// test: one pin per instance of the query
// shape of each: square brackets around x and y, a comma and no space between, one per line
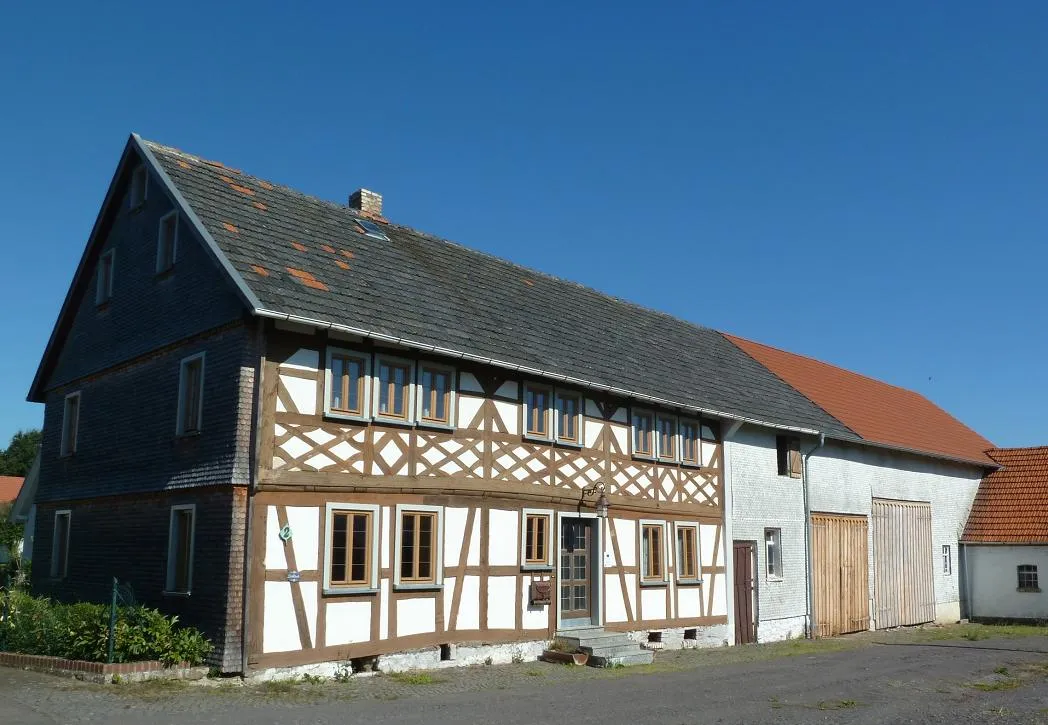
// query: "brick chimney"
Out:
[367,202]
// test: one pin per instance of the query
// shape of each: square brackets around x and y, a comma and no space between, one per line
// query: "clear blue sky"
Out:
[861,182]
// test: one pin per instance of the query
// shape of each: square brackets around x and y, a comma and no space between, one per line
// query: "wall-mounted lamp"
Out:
[602,500]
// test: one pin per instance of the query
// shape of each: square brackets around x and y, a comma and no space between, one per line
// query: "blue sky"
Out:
[862,183]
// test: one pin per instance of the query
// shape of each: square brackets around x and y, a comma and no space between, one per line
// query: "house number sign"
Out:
[285,533]
[294,576]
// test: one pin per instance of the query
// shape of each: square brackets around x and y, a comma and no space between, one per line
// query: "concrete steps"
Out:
[605,649]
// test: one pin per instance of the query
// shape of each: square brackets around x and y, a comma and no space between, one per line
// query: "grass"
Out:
[837,704]
[275,688]
[415,678]
[970,632]
[996,685]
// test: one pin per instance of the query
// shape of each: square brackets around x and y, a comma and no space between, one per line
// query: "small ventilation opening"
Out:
[363,664]
[654,636]
[691,634]
[445,652]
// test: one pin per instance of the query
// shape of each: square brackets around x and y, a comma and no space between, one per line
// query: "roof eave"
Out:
[986,463]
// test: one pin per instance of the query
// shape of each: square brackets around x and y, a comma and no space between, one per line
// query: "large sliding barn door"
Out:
[904,590]
[840,574]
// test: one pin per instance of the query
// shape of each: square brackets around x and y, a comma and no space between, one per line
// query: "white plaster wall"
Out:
[536,616]
[653,602]
[502,602]
[615,605]
[993,581]
[348,622]
[454,531]
[305,535]
[503,539]
[279,626]
[416,616]
[469,605]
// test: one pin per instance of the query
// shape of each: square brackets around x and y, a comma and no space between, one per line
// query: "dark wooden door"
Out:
[745,591]
[575,584]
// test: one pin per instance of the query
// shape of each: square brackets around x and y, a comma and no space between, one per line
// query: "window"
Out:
[788,451]
[351,548]
[139,188]
[104,283]
[419,538]
[773,552]
[371,229]
[687,552]
[347,389]
[667,438]
[60,545]
[652,552]
[535,543]
[689,442]
[180,533]
[709,430]
[947,560]
[190,395]
[70,423]
[436,394]
[569,417]
[536,411]
[1027,578]
[643,434]
[393,389]
[166,242]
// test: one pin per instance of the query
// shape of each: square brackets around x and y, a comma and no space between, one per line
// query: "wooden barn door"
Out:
[903,560]
[744,555]
[839,561]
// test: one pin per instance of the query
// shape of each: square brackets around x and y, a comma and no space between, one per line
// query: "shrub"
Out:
[38,626]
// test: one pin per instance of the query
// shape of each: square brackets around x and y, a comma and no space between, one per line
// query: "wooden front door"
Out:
[576,590]
[744,555]
[839,572]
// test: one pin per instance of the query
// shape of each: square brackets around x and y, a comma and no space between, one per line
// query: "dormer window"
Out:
[569,417]
[393,386]
[166,242]
[139,188]
[643,434]
[667,438]
[104,280]
[537,411]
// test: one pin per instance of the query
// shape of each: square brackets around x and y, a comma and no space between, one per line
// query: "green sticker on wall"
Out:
[285,533]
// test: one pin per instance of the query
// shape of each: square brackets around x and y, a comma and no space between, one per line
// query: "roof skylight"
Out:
[372,229]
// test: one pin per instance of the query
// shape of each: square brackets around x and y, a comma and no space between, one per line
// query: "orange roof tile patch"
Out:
[879,412]
[260,271]
[328,248]
[9,488]
[341,264]
[230,228]
[1011,503]
[226,179]
[259,205]
[347,254]
[242,189]
[529,282]
[299,247]
[307,279]
[184,164]
[266,185]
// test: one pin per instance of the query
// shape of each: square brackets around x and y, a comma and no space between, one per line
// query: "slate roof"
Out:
[879,412]
[9,488]
[304,257]
[1011,506]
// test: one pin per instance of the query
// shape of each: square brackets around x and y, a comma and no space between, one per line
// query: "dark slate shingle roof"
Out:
[302,256]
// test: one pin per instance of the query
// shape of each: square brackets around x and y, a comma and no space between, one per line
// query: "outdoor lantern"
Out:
[602,504]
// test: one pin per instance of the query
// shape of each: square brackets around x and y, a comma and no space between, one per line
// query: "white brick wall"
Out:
[994,581]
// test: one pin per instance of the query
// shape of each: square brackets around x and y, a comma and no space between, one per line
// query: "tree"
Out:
[17,458]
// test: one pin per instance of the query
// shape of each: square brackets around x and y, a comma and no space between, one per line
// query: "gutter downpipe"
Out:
[249,509]
[809,564]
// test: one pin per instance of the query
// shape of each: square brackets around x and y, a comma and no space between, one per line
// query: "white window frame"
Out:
[376,395]
[675,457]
[67,447]
[376,519]
[138,177]
[777,577]
[697,579]
[105,293]
[641,554]
[172,555]
[55,574]
[634,412]
[551,413]
[173,242]
[452,386]
[947,560]
[550,523]
[580,417]
[681,422]
[365,404]
[438,559]
[180,428]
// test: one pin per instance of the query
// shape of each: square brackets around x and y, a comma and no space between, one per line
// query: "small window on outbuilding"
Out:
[773,552]
[1027,578]
[947,560]
[788,452]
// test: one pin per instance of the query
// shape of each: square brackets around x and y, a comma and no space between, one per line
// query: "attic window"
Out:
[371,229]
[104,281]
[166,242]
[139,188]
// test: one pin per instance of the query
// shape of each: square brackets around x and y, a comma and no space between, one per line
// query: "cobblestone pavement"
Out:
[865,679]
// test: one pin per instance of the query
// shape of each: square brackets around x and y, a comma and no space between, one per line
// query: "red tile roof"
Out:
[1012,503]
[878,412]
[9,488]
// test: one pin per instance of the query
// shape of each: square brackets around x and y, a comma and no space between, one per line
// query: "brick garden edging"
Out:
[100,671]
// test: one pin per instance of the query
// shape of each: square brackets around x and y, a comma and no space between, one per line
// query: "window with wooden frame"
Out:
[643,434]
[652,552]
[190,395]
[351,547]
[347,384]
[788,456]
[947,560]
[667,437]
[60,544]
[436,394]
[1027,578]
[393,386]
[569,417]
[419,537]
[166,242]
[139,188]
[180,544]
[535,542]
[688,553]
[689,443]
[70,423]
[537,418]
[773,553]
[104,278]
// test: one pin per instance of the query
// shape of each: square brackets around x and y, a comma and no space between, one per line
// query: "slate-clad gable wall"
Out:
[146,311]
[126,440]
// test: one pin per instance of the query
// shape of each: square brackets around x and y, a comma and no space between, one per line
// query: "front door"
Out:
[576,592]
[743,555]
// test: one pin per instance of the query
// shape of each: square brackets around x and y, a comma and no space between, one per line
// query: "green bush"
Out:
[38,626]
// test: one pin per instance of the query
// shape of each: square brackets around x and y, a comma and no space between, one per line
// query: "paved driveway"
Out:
[867,679]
